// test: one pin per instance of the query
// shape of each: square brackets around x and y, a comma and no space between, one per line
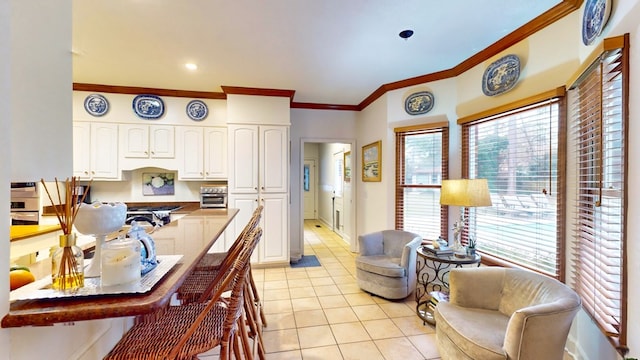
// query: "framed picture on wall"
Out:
[371,161]
[347,166]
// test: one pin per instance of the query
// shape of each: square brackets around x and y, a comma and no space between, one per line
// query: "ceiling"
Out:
[327,51]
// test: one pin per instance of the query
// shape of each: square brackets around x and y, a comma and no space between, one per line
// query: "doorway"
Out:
[327,188]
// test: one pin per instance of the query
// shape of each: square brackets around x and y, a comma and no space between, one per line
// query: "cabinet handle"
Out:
[153,153]
[146,153]
[200,172]
[86,172]
[262,188]
[93,173]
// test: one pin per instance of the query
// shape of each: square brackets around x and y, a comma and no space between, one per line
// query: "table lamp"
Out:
[464,193]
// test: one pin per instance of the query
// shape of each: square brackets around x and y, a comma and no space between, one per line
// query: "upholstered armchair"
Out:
[498,313]
[386,265]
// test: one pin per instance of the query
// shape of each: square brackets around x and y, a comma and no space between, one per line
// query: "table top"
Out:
[62,310]
[19,232]
[449,259]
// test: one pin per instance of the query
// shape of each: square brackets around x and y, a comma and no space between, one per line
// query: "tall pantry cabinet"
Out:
[259,175]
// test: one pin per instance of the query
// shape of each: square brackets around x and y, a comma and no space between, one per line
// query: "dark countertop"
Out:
[186,206]
[49,311]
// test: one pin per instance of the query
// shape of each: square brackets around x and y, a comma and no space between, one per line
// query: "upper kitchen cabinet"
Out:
[95,151]
[259,158]
[201,152]
[147,145]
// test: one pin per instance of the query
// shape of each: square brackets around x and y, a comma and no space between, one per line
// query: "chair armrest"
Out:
[543,324]
[409,253]
[476,287]
[370,244]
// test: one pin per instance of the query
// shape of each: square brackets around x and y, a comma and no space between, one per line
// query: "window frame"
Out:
[557,95]
[401,134]
[600,304]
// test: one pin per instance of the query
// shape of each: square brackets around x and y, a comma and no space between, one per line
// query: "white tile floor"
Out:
[320,313]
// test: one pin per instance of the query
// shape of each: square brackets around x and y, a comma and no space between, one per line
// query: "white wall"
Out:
[40,65]
[35,69]
[5,161]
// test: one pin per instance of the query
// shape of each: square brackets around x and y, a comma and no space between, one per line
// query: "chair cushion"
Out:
[381,265]
[477,333]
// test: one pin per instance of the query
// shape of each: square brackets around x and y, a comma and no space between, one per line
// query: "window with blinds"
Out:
[518,152]
[598,118]
[422,158]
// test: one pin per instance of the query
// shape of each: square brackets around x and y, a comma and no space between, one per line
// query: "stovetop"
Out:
[152,209]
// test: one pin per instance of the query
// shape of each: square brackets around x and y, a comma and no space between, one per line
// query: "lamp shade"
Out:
[465,192]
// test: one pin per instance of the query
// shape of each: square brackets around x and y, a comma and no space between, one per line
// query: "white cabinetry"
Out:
[199,231]
[147,145]
[95,150]
[259,174]
[202,152]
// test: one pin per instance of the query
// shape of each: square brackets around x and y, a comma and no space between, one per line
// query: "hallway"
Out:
[320,313]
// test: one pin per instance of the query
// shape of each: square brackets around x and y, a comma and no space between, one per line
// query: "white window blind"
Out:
[517,152]
[598,126]
[421,164]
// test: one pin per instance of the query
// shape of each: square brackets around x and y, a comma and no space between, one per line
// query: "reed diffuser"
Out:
[67,262]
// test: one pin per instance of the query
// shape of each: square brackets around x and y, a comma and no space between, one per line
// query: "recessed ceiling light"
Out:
[191,66]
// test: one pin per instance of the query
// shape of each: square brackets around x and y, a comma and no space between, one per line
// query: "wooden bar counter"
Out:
[190,236]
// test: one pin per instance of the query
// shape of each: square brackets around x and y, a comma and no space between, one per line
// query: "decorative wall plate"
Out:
[419,103]
[148,106]
[96,104]
[595,17]
[501,76]
[197,110]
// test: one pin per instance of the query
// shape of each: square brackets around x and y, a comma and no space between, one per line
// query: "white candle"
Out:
[120,263]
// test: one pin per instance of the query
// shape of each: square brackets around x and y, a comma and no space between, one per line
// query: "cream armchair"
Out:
[498,313]
[386,265]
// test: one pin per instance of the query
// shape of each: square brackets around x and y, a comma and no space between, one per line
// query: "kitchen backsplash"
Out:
[146,185]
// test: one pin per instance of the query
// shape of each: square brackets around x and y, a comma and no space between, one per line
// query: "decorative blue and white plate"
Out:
[197,110]
[595,17]
[419,103]
[501,76]
[148,106]
[96,104]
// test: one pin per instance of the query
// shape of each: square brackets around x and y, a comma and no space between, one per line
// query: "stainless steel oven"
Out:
[25,203]
[213,196]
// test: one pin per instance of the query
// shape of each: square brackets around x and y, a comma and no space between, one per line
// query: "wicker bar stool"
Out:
[187,330]
[206,269]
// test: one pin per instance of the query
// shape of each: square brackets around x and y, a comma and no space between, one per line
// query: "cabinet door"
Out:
[82,150]
[274,159]
[135,141]
[243,158]
[215,153]
[193,235]
[246,204]
[190,152]
[274,245]
[210,227]
[161,142]
[104,151]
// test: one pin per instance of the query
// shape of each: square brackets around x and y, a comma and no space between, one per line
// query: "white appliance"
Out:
[25,203]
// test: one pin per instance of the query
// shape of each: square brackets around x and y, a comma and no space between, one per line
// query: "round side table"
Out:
[434,278]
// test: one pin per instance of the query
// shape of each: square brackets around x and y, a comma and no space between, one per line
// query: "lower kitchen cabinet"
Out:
[273,248]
